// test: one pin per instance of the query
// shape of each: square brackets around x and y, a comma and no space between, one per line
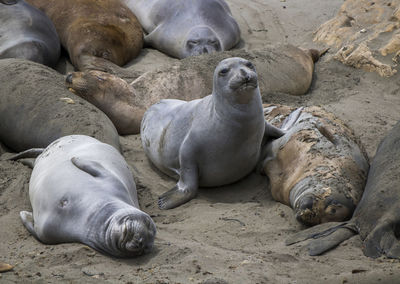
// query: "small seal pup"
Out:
[27,33]
[376,218]
[318,167]
[97,34]
[81,190]
[211,141]
[182,28]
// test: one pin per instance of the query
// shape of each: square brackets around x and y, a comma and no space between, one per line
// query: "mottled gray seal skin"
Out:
[27,33]
[211,141]
[377,216]
[182,28]
[81,190]
[36,108]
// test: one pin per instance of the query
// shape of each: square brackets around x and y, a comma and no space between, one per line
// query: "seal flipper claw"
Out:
[175,197]
[27,220]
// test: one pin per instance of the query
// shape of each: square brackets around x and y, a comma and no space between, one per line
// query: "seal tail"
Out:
[317,54]
[325,236]
[27,220]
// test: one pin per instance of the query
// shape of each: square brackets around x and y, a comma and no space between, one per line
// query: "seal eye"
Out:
[223,71]
[192,43]
[250,65]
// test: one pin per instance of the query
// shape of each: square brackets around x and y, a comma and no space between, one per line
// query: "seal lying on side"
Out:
[376,217]
[318,167]
[282,69]
[211,141]
[82,190]
[182,28]
[36,109]
[96,34]
[27,33]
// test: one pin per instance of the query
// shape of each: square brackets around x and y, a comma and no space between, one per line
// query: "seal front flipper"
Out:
[90,62]
[383,240]
[93,168]
[27,220]
[27,157]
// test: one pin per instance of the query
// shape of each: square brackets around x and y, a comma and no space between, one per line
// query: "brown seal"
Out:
[281,69]
[318,167]
[95,33]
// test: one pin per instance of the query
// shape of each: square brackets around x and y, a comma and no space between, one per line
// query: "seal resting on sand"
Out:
[96,34]
[36,108]
[318,167]
[182,28]
[282,69]
[211,141]
[376,218]
[81,190]
[27,33]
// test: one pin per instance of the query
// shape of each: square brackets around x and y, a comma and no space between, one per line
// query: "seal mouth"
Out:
[245,84]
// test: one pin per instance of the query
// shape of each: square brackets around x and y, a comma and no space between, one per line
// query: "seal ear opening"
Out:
[93,168]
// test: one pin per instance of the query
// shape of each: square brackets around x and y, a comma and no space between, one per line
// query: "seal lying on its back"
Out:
[211,141]
[82,190]
[36,109]
[377,216]
[96,34]
[183,28]
[318,167]
[27,33]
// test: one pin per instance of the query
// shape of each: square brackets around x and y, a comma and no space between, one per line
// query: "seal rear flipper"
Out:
[314,232]
[319,246]
[27,220]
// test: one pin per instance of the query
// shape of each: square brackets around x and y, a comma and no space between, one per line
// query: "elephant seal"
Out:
[97,34]
[376,218]
[318,167]
[282,69]
[211,141]
[27,33]
[36,108]
[182,28]
[81,190]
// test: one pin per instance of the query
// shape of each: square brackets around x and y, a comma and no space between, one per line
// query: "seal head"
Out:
[130,234]
[201,40]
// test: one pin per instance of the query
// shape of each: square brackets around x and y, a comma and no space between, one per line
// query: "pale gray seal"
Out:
[182,28]
[27,33]
[377,216]
[82,190]
[211,141]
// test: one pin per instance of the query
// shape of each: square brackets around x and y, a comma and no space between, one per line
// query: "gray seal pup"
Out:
[82,190]
[376,218]
[211,141]
[36,108]
[27,33]
[318,167]
[99,35]
[182,28]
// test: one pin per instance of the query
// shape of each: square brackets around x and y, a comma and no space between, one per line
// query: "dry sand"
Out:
[233,234]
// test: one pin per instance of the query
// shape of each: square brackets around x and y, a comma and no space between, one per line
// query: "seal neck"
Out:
[230,108]
[99,234]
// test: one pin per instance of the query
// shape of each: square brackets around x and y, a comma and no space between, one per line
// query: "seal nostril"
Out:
[205,50]
[306,203]
[69,78]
